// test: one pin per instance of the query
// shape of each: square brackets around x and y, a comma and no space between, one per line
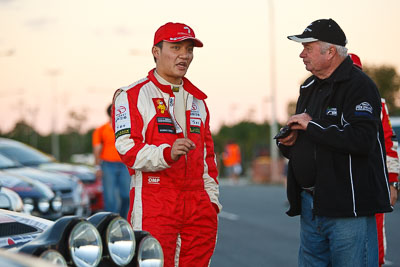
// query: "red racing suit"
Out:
[173,200]
[393,164]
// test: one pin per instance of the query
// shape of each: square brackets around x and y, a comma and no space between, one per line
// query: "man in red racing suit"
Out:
[162,134]
[393,165]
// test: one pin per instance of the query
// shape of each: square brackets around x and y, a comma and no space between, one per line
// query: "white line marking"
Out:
[228,215]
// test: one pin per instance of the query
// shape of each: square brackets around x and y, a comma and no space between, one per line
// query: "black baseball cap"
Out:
[326,30]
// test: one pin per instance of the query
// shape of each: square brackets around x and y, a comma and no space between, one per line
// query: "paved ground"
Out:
[255,231]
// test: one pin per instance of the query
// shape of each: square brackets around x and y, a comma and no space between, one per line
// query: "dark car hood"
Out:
[25,186]
[85,173]
[56,181]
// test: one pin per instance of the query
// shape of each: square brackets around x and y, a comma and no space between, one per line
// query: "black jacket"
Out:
[351,174]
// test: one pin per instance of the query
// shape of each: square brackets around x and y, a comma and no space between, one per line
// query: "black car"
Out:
[38,198]
[75,201]
[31,157]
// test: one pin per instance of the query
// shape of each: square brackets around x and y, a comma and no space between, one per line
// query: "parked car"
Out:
[75,201]
[29,156]
[395,122]
[9,200]
[92,186]
[20,228]
[104,239]
[38,198]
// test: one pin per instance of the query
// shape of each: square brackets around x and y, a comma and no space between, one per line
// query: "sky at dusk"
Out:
[61,56]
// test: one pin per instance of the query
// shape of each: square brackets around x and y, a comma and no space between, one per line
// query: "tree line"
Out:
[253,138]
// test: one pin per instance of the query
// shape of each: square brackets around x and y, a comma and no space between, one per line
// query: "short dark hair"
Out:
[159,45]
[109,110]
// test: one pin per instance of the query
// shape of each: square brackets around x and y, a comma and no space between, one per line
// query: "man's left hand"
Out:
[299,121]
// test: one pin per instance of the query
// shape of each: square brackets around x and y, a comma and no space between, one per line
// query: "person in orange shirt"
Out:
[232,160]
[114,174]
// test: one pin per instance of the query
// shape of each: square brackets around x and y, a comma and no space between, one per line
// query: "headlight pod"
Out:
[43,205]
[53,256]
[118,238]
[85,245]
[76,239]
[104,239]
[150,252]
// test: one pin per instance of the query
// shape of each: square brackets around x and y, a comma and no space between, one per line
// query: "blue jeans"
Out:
[328,241]
[116,184]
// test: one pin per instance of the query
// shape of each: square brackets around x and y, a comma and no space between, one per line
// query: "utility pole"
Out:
[273,126]
[33,111]
[55,143]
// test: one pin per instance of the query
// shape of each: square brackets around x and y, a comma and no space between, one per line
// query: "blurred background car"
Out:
[29,156]
[9,200]
[395,122]
[92,186]
[75,200]
[38,198]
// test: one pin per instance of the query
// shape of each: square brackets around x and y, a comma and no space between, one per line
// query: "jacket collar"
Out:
[187,85]
[342,72]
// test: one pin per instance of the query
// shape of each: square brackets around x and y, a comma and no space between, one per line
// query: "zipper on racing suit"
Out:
[178,128]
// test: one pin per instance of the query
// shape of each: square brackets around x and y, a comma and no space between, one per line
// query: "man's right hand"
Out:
[181,147]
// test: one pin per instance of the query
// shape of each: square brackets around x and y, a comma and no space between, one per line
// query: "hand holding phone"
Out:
[284,132]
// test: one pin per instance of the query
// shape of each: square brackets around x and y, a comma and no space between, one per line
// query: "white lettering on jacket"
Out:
[153,180]
[364,106]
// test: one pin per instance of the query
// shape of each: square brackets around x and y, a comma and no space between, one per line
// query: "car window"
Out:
[6,163]
[25,155]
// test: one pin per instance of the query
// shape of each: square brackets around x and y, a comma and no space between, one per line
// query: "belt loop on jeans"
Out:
[309,190]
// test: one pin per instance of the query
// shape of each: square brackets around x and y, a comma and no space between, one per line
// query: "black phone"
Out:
[284,132]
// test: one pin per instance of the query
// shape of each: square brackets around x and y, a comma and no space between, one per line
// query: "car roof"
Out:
[9,141]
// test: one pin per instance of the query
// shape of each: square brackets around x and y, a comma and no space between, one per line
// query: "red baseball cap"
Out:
[356,60]
[176,32]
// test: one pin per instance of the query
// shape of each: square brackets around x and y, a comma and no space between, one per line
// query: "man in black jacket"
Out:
[337,175]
